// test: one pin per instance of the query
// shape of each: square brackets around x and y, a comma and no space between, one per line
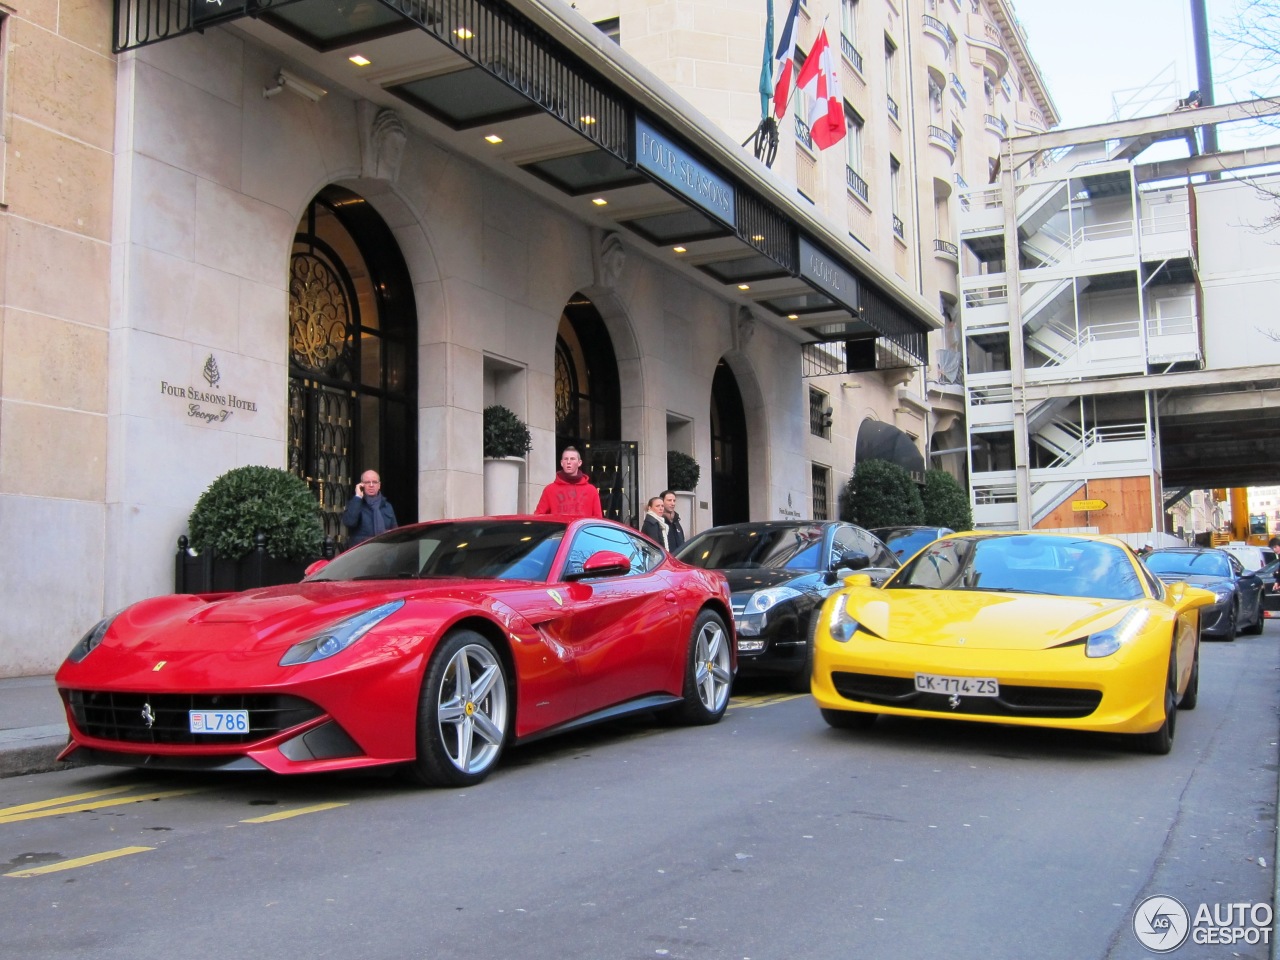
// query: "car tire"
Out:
[1233,623]
[802,680]
[1255,628]
[463,712]
[708,673]
[1160,741]
[848,719]
[1192,694]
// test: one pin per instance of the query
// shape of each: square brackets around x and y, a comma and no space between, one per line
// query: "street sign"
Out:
[1084,506]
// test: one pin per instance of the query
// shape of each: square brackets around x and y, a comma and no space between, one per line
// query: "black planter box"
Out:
[208,573]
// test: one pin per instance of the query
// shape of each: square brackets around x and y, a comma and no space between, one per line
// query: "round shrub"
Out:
[505,434]
[248,500]
[945,502]
[682,471]
[881,494]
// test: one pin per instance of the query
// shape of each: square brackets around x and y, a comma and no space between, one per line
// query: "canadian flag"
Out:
[820,81]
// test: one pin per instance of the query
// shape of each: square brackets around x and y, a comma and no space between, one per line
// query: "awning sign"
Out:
[659,155]
[821,271]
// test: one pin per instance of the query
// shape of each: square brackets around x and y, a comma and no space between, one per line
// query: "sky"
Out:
[1090,51]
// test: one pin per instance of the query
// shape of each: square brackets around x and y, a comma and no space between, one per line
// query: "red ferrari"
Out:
[433,646]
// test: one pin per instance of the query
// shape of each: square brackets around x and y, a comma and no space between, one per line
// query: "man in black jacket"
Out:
[675,532]
[368,513]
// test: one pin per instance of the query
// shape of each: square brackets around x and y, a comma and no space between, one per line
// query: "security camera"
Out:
[295,84]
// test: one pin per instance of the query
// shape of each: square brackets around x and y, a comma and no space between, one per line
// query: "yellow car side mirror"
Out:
[858,580]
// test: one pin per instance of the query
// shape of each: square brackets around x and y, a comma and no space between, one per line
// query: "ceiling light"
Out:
[744,286]
[757,238]
[599,201]
[493,138]
[462,33]
[793,316]
[680,249]
[360,61]
[587,119]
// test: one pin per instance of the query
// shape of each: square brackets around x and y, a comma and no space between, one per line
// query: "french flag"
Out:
[820,80]
[784,62]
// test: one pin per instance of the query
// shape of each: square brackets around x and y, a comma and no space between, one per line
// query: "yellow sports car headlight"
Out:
[841,624]
[1106,642]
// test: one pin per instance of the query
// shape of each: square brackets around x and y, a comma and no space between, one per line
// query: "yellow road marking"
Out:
[286,814]
[765,700]
[84,807]
[71,798]
[78,862]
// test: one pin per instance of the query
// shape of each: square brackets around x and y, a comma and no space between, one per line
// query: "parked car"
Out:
[1270,577]
[779,573]
[906,541]
[1251,557]
[1030,629]
[1238,607]
[433,646]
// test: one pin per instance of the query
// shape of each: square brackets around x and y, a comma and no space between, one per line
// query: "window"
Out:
[850,538]
[819,414]
[891,75]
[611,28]
[821,495]
[853,141]
[644,556]
[895,185]
[849,20]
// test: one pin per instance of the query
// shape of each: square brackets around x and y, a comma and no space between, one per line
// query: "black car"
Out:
[779,573]
[1270,575]
[1239,594]
[905,542]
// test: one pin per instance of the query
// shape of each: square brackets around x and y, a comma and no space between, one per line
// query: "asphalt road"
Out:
[767,836]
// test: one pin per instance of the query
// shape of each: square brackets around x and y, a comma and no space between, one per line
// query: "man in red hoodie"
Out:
[571,493]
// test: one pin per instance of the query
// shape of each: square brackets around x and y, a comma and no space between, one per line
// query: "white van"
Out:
[1251,558]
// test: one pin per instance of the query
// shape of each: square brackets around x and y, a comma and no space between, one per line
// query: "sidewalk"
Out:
[33,726]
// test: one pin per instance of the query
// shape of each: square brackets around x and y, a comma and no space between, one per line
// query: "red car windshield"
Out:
[475,550]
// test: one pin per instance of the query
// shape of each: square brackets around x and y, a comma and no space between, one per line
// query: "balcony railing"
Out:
[898,229]
[936,27]
[996,124]
[943,137]
[958,88]
[856,183]
[893,107]
[946,247]
[851,52]
[803,134]
[960,181]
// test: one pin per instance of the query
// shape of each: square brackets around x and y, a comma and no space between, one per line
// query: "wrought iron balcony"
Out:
[943,138]
[946,247]
[958,88]
[898,230]
[856,183]
[996,124]
[893,107]
[851,52]
[803,134]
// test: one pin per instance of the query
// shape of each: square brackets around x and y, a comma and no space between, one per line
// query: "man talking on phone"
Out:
[368,513]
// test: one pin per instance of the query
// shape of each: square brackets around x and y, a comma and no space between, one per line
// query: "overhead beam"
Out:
[1209,163]
[1170,123]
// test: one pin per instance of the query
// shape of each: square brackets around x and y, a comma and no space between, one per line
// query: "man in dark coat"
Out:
[368,513]
[675,532]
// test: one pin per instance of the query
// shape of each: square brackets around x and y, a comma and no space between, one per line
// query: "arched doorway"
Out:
[589,408]
[352,357]
[730,486]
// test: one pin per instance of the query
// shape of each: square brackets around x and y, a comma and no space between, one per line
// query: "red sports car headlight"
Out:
[338,637]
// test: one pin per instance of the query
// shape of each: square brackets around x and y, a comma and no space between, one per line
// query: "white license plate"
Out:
[219,721]
[962,686]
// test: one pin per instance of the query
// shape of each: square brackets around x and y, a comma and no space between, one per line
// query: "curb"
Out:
[37,755]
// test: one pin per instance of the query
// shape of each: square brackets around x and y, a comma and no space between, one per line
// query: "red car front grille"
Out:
[164,718]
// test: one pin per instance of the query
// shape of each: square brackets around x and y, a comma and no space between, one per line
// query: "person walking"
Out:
[675,531]
[368,512]
[655,525]
[571,493]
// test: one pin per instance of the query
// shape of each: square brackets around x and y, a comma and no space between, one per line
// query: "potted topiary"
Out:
[506,441]
[254,526]
[682,479]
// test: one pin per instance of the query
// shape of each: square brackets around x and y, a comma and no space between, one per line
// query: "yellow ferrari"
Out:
[1035,629]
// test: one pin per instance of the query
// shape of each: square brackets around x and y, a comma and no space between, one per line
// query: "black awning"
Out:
[884,441]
